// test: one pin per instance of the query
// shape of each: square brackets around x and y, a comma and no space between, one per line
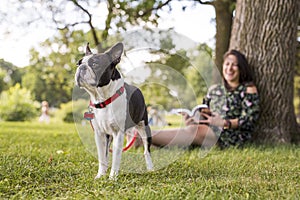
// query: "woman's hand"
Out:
[215,119]
[189,120]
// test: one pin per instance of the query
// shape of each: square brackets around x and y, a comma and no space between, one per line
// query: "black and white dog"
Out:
[117,106]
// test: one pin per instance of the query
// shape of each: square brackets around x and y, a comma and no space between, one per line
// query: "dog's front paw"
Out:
[98,176]
[113,176]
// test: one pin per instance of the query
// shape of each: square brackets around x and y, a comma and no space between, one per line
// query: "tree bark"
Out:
[266,32]
[223,10]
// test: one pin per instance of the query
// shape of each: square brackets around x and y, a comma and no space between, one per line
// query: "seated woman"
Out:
[234,106]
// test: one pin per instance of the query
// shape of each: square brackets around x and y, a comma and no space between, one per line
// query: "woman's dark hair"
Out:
[246,76]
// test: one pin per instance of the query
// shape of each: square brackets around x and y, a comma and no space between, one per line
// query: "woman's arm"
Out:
[250,106]
[249,115]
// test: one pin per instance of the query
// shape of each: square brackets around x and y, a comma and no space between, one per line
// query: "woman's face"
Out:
[231,70]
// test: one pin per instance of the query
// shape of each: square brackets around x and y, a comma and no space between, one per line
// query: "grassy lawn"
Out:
[41,161]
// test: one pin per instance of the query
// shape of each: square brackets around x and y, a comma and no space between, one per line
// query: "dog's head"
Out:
[97,70]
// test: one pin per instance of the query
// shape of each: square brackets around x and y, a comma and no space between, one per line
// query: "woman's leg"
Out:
[193,134]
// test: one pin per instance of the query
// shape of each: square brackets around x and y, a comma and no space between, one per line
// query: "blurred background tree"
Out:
[9,75]
[17,104]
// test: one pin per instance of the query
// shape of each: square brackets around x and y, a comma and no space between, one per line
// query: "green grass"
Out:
[41,161]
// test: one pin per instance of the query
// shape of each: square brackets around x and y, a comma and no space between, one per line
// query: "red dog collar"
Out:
[103,104]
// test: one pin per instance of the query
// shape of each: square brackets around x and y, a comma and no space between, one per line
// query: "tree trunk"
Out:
[266,32]
[223,11]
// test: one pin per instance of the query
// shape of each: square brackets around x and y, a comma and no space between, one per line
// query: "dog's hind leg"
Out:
[102,143]
[145,133]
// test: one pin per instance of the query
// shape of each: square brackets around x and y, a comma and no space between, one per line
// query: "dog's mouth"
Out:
[78,81]
[85,78]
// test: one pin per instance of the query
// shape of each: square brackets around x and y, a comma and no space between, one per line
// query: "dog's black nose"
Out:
[83,67]
[79,63]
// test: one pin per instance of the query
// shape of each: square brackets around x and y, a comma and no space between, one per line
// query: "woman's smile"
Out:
[231,71]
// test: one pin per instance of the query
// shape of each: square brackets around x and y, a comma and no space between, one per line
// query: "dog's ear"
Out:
[88,50]
[115,52]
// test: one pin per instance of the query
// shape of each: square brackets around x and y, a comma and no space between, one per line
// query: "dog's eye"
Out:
[79,62]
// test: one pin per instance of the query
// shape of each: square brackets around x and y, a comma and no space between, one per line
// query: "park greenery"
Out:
[48,161]
[17,104]
[49,75]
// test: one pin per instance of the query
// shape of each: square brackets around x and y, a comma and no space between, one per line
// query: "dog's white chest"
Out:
[112,118]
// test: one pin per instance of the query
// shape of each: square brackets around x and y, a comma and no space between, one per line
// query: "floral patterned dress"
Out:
[231,105]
